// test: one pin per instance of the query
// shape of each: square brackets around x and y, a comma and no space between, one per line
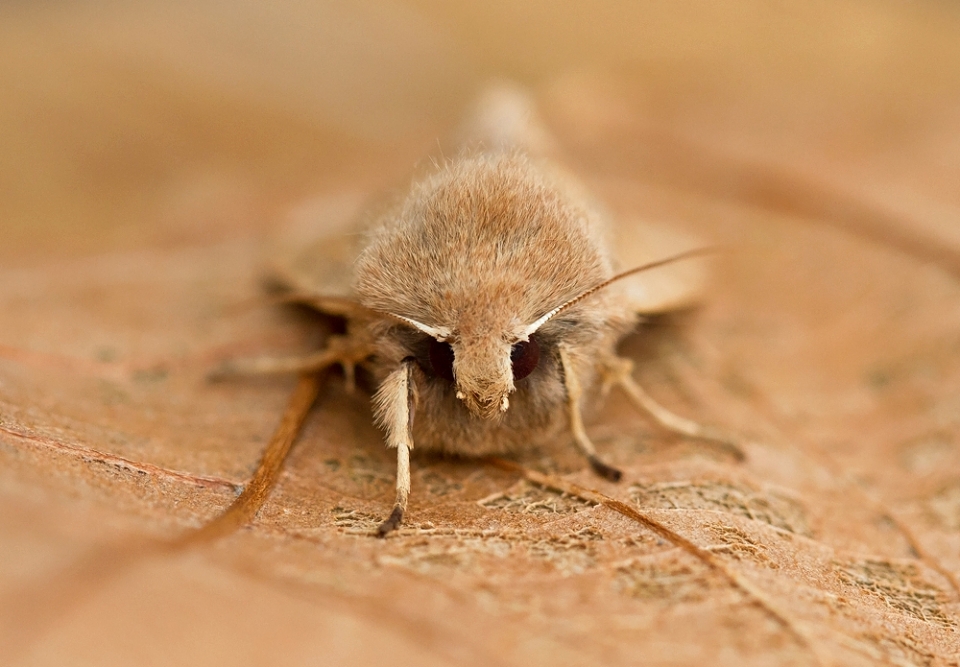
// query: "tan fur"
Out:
[483,247]
[393,407]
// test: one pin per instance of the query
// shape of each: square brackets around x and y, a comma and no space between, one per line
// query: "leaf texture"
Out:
[145,175]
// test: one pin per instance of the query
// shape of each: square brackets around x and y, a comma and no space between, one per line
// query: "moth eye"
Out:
[524,356]
[441,359]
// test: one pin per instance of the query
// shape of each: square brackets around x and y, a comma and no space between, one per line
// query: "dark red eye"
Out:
[524,357]
[441,359]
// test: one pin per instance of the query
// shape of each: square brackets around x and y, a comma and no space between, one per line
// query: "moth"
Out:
[487,301]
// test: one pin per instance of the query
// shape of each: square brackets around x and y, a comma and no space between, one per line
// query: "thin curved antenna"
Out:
[340,306]
[440,333]
[532,327]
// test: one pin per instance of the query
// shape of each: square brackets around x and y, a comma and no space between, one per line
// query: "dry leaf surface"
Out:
[830,342]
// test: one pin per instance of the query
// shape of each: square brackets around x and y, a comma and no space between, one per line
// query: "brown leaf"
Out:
[148,153]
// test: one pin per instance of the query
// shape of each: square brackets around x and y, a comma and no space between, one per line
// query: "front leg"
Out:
[572,384]
[396,402]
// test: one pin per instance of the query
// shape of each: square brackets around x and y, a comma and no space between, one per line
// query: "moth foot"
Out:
[723,441]
[605,470]
[392,523]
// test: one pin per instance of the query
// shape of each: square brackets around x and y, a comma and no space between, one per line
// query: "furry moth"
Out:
[486,302]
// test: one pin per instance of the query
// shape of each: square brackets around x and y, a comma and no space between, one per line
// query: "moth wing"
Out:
[675,286]
[314,263]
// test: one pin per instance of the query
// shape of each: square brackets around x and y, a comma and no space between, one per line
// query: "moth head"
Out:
[482,364]
[484,358]
[486,372]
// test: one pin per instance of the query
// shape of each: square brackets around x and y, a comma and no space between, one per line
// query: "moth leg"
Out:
[341,350]
[396,401]
[621,374]
[574,392]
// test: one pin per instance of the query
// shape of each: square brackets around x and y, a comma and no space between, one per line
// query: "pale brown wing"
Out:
[314,261]
[668,288]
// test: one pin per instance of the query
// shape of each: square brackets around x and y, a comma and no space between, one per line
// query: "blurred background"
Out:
[124,122]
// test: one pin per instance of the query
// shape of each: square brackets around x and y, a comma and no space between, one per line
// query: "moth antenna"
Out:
[532,328]
[440,333]
[340,306]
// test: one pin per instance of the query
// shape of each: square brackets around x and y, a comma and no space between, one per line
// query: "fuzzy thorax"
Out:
[481,249]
